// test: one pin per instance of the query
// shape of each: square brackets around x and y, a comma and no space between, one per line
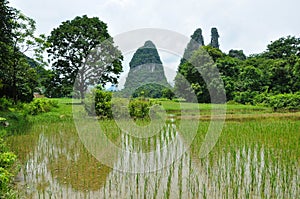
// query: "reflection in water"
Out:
[60,167]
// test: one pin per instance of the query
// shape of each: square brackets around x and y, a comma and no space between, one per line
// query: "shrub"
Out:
[40,105]
[261,99]
[139,108]
[285,101]
[246,97]
[99,103]
[7,162]
[5,104]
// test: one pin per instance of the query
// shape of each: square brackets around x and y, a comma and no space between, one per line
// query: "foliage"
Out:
[147,54]
[139,108]
[5,104]
[103,103]
[199,77]
[7,162]
[99,103]
[285,101]
[214,53]
[146,70]
[151,90]
[54,88]
[83,47]
[283,47]
[199,69]
[18,79]
[40,105]
[168,93]
[247,80]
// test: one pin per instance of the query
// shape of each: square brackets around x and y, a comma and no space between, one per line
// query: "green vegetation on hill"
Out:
[256,79]
[146,71]
[146,54]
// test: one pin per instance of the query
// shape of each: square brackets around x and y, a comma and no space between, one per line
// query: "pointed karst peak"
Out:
[214,38]
[149,44]
[197,37]
[194,44]
[147,54]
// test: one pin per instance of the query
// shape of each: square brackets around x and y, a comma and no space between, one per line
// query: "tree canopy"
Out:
[83,48]
[18,80]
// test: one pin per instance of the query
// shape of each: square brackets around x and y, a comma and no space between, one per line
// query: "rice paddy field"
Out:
[256,155]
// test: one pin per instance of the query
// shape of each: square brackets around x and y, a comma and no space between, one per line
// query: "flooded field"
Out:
[252,159]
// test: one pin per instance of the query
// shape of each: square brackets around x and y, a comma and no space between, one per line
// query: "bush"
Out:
[285,101]
[40,105]
[99,103]
[139,108]
[7,162]
[5,104]
[261,99]
[246,97]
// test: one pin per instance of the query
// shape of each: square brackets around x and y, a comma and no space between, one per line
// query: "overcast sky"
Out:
[242,24]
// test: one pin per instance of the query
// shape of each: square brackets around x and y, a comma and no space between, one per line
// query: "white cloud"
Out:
[242,24]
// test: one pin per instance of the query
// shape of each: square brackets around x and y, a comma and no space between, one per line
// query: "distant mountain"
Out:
[145,68]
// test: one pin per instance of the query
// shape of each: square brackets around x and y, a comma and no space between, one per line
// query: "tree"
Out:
[83,48]
[284,47]
[199,76]
[6,25]
[168,93]
[214,53]
[186,71]
[18,78]
[214,38]
[229,69]
[6,17]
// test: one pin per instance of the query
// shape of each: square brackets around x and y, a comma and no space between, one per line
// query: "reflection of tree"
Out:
[23,145]
[84,173]
[70,163]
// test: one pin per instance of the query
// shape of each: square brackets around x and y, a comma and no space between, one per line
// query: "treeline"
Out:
[257,79]
[76,46]
[80,46]
[20,76]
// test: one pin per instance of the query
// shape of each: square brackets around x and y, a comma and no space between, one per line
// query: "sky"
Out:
[248,25]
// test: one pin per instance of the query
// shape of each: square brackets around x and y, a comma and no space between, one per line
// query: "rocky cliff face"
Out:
[145,68]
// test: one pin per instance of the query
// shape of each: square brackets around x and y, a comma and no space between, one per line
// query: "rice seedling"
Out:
[252,158]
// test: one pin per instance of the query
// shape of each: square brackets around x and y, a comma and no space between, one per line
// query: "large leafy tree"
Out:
[6,24]
[186,72]
[82,54]
[18,78]
[283,47]
[200,76]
